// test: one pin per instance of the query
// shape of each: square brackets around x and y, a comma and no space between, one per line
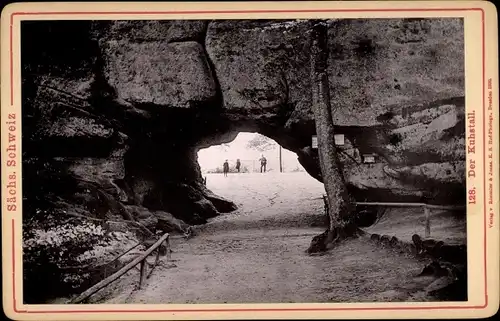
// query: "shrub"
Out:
[49,253]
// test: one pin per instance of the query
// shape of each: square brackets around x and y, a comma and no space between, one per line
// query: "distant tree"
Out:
[261,143]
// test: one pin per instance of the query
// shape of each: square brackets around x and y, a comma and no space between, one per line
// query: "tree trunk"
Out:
[341,209]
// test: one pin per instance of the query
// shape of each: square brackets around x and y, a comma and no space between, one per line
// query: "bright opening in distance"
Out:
[248,148]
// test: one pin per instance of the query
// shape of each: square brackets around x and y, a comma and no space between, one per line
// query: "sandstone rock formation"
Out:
[120,108]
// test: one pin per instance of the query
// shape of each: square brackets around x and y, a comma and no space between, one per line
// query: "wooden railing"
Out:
[139,260]
[426,207]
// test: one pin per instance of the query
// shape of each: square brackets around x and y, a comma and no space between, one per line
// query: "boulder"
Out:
[175,75]
[117,226]
[150,222]
[169,224]
[152,30]
[139,212]
[221,204]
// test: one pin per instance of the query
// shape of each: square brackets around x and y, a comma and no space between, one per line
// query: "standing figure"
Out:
[225,168]
[263,163]
[238,165]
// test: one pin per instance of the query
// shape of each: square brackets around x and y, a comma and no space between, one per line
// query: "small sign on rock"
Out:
[314,143]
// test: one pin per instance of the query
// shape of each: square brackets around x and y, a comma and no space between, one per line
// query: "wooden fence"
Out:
[426,207]
[139,260]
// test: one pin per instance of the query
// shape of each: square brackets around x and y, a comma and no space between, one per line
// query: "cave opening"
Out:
[248,147]
[281,191]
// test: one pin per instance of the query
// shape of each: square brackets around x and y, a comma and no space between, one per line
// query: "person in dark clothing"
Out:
[263,163]
[238,165]
[225,167]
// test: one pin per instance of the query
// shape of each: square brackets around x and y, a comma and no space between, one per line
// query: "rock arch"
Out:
[130,111]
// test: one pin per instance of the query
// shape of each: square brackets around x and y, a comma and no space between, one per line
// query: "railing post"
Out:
[139,260]
[169,255]
[327,208]
[155,264]
[427,222]
[157,255]
[143,273]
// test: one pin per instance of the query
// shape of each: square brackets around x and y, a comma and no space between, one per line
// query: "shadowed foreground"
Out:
[257,255]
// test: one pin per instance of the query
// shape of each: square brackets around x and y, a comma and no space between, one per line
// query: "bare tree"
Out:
[261,143]
[341,206]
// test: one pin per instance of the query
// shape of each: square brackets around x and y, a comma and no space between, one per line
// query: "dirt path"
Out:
[256,267]
[257,254]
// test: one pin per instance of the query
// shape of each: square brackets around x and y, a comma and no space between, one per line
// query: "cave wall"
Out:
[125,105]
[393,91]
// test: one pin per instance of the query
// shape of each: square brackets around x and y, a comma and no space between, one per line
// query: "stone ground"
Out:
[257,254]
